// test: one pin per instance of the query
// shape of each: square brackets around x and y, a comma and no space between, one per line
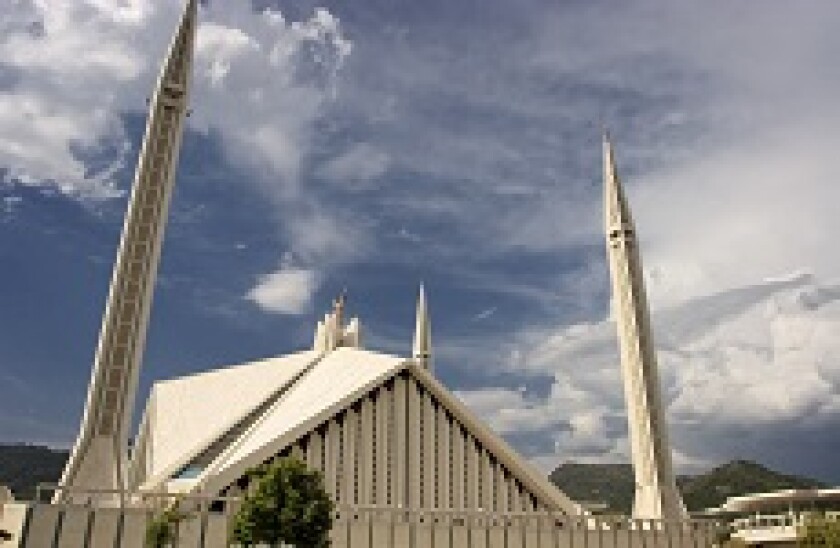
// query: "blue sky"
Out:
[372,145]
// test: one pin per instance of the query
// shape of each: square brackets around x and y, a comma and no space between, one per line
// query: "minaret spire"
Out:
[98,459]
[422,347]
[656,494]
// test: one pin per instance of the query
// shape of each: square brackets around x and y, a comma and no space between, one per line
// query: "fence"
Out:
[41,525]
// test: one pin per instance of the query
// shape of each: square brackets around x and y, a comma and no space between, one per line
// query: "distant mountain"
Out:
[23,467]
[613,483]
[739,477]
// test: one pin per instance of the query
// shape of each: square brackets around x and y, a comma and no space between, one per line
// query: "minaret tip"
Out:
[605,132]
[616,210]
[190,10]
[422,347]
[609,158]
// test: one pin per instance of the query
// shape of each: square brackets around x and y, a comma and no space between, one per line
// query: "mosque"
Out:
[383,430]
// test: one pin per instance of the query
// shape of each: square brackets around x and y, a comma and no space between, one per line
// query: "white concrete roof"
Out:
[793,497]
[331,384]
[337,380]
[302,391]
[205,405]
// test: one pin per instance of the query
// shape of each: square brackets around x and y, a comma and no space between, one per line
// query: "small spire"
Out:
[616,211]
[338,307]
[422,348]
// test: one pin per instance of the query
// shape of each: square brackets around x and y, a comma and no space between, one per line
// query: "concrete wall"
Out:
[49,526]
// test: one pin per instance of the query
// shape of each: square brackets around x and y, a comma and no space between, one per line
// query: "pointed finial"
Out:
[605,131]
[609,160]
[422,348]
[616,211]
[338,307]
[191,9]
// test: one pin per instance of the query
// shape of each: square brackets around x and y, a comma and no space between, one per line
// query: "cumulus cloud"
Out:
[724,121]
[260,83]
[50,115]
[285,291]
[745,360]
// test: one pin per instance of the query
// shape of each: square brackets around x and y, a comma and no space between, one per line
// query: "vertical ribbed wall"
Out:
[399,447]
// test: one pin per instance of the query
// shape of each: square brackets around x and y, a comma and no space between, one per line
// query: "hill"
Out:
[739,477]
[613,483]
[22,467]
[608,483]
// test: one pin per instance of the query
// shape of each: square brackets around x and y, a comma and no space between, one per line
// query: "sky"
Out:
[376,145]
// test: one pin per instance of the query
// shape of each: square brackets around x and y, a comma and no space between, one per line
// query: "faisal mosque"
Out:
[383,430]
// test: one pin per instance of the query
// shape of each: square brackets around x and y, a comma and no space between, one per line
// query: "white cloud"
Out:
[357,167]
[746,360]
[260,82]
[285,291]
[50,111]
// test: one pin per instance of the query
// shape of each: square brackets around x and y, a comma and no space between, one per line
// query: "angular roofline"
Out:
[500,448]
[214,479]
[153,482]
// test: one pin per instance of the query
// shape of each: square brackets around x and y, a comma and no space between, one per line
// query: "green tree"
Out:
[286,503]
[819,531]
[163,529]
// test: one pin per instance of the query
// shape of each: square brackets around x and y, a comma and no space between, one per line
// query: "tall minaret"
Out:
[422,347]
[656,491]
[98,460]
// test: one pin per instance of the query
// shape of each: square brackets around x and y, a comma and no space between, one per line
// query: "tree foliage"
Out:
[286,503]
[819,531]
[163,529]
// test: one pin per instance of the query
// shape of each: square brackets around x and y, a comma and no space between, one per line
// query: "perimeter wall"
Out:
[43,525]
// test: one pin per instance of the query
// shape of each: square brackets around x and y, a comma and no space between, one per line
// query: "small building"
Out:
[775,518]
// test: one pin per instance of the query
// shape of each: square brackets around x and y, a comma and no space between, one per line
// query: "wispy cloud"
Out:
[484,314]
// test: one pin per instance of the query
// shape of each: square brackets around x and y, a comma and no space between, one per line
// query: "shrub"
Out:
[163,529]
[286,503]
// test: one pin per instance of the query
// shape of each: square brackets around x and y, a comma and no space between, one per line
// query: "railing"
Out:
[73,525]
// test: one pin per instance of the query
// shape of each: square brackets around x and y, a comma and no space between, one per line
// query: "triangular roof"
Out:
[193,403]
[338,380]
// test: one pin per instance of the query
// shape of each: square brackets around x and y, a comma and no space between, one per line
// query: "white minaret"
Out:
[422,347]
[98,459]
[656,491]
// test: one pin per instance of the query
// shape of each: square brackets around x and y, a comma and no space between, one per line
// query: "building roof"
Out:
[758,501]
[219,424]
[192,404]
[337,379]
